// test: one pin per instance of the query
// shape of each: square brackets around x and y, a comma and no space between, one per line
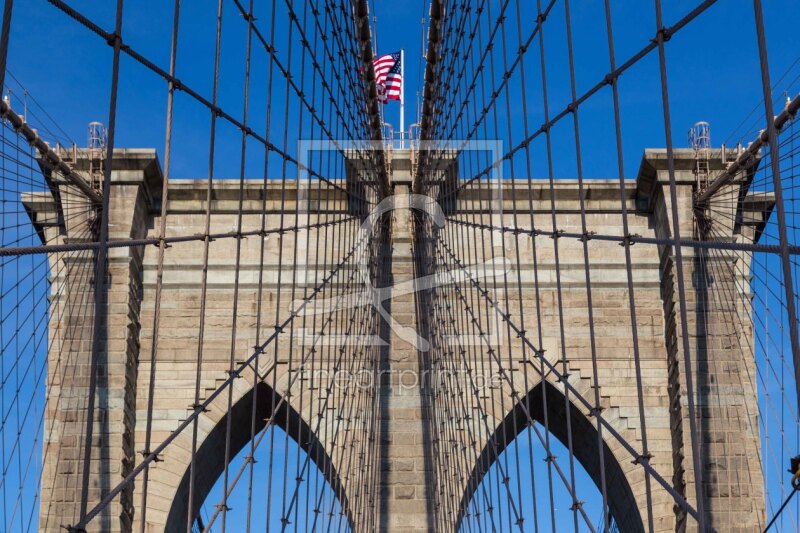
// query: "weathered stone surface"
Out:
[719,341]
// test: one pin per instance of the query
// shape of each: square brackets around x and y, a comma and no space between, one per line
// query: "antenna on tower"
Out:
[700,142]
[98,138]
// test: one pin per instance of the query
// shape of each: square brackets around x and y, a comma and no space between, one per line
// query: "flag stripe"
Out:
[387,77]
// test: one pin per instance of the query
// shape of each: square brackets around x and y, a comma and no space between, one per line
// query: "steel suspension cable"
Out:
[100,326]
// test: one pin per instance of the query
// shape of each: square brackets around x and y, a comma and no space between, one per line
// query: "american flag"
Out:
[388,77]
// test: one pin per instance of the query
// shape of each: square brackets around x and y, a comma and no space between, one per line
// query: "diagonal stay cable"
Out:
[180,86]
[263,431]
[574,104]
[568,484]
[638,458]
[108,498]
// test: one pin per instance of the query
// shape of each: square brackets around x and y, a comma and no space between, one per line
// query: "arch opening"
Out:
[520,458]
[291,472]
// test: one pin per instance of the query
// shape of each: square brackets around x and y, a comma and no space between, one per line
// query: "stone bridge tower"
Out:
[717,333]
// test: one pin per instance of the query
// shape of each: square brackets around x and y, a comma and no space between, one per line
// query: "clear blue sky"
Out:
[712,64]
[712,67]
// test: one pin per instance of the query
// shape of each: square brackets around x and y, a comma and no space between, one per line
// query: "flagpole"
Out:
[402,97]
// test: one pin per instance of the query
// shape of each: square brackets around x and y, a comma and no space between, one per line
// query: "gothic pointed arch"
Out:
[621,500]
[211,453]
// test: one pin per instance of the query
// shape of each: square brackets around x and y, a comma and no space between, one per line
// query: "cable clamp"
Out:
[596,411]
[645,458]
[113,39]
[629,239]
[148,453]
[577,505]
[198,407]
